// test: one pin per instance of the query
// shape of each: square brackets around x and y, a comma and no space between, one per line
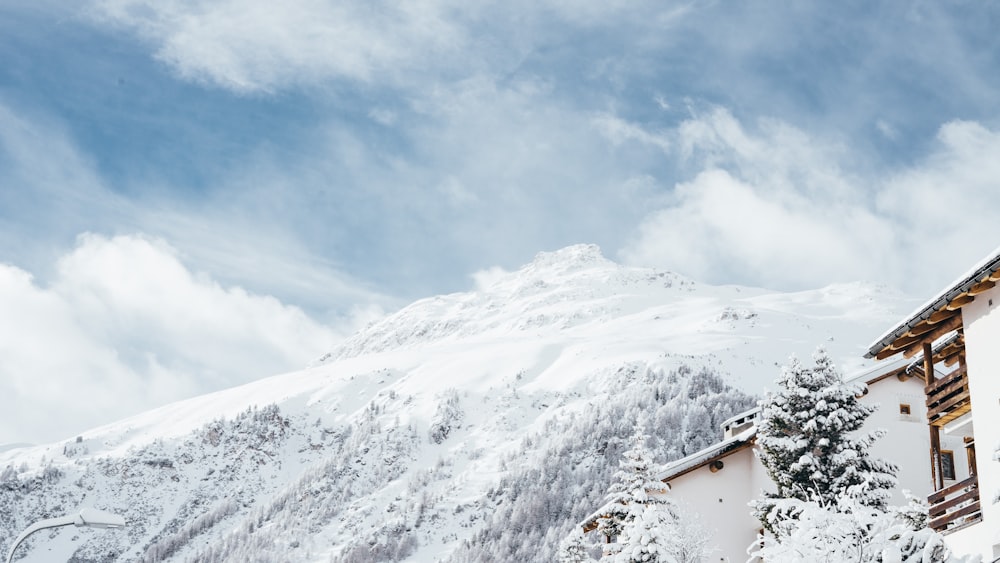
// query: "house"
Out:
[952,343]
[718,483]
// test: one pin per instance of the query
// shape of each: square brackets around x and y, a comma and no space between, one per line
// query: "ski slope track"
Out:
[476,426]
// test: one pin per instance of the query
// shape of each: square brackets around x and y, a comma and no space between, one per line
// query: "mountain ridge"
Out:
[414,421]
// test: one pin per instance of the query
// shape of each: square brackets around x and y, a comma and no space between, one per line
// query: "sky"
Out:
[199,193]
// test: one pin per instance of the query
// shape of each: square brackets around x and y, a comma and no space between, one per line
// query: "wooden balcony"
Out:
[955,506]
[948,397]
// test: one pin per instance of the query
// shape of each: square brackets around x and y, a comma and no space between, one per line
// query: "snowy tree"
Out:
[649,536]
[808,444]
[848,531]
[646,520]
[574,549]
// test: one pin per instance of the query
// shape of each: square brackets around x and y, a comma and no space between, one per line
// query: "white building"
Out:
[718,483]
[956,338]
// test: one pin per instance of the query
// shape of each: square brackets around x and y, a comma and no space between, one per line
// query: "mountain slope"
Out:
[428,434]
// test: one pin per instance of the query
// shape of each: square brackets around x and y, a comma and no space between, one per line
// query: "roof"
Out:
[736,417]
[877,372]
[708,455]
[962,286]
[694,461]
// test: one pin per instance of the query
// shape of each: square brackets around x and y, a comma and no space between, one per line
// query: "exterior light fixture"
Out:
[87,517]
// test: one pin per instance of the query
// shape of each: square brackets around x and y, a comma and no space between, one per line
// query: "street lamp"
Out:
[89,517]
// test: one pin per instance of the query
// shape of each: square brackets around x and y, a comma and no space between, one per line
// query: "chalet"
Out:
[952,345]
[719,482]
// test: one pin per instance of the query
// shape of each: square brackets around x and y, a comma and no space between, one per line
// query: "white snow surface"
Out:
[491,365]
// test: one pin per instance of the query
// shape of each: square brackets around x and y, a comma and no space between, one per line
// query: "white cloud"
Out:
[248,45]
[778,208]
[125,326]
[722,228]
[945,207]
[619,131]
[259,45]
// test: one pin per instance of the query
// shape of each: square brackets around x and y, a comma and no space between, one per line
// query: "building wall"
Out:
[721,502]
[982,348]
[907,440]
[721,499]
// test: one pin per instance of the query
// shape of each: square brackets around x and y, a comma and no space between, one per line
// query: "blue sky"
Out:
[318,163]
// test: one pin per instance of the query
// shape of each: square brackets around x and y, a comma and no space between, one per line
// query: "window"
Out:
[904,408]
[948,464]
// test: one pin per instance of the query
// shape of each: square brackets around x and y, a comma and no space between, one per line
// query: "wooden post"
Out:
[970,454]
[937,476]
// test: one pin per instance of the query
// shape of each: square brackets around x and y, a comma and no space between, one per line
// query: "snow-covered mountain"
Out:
[476,426]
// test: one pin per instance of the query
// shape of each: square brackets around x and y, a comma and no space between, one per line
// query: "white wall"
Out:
[982,349]
[721,501]
[907,439]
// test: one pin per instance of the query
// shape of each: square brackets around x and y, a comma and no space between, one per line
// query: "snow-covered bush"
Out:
[847,531]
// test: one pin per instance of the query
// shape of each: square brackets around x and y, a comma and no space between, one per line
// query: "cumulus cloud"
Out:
[125,326]
[721,226]
[945,206]
[776,207]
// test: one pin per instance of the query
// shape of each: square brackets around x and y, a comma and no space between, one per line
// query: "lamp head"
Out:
[93,518]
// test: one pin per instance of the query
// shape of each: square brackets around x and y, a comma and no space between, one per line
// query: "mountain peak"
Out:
[575,257]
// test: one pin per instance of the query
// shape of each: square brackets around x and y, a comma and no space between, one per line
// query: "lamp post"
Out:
[87,517]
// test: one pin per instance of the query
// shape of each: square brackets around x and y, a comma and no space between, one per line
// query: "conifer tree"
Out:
[573,549]
[640,511]
[805,443]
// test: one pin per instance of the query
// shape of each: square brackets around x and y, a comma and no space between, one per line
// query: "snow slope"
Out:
[410,439]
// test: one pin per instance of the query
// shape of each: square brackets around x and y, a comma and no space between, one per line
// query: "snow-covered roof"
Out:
[743,414]
[708,455]
[878,371]
[684,465]
[986,266]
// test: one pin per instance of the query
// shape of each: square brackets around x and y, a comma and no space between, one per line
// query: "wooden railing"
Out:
[947,397]
[955,506]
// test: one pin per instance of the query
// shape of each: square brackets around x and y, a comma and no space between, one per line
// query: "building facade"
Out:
[953,342]
[717,484]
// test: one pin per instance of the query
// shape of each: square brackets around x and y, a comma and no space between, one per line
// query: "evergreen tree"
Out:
[574,549]
[805,444]
[640,511]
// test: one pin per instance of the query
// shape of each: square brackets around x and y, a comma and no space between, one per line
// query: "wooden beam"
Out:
[982,286]
[936,385]
[928,364]
[960,301]
[937,478]
[942,315]
[951,358]
[885,353]
[912,346]
[923,328]
[907,339]
[948,408]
